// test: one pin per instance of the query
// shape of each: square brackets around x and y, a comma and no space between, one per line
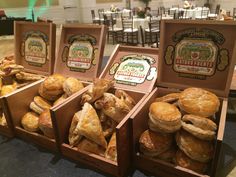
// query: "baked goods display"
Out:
[187,116]
[93,127]
[12,77]
[51,92]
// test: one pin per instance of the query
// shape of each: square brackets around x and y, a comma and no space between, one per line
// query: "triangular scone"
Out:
[74,137]
[89,125]
[96,90]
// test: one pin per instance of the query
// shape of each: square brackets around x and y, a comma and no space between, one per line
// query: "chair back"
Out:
[93,14]
[142,35]
[204,12]
[217,11]
[127,23]
[154,30]
[100,13]
[234,13]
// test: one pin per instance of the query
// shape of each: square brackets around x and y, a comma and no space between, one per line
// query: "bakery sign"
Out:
[197,53]
[80,54]
[134,69]
[34,48]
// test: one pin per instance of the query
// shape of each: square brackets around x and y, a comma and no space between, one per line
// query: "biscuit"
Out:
[169,98]
[30,122]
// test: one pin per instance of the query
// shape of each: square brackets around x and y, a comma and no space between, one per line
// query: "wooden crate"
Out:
[62,115]
[45,34]
[18,107]
[171,79]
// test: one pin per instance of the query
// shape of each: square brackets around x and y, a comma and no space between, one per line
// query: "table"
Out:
[189,13]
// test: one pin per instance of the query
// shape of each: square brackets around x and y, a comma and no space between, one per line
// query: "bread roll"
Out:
[30,122]
[72,85]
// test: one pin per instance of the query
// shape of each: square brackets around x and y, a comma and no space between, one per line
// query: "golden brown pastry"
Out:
[3,121]
[168,155]
[184,161]
[153,143]
[28,76]
[96,91]
[169,98]
[6,89]
[193,147]
[52,87]
[60,100]
[39,105]
[164,117]
[11,69]
[45,124]
[72,85]
[90,146]
[129,101]
[111,151]
[89,125]
[112,106]
[200,127]
[30,122]
[74,137]
[198,101]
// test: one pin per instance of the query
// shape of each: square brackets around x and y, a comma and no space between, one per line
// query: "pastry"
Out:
[74,137]
[72,85]
[129,101]
[164,117]
[96,91]
[6,89]
[89,125]
[111,152]
[198,101]
[200,127]
[28,76]
[3,121]
[60,100]
[30,122]
[168,155]
[195,148]
[184,161]
[153,143]
[112,106]
[39,105]
[90,146]
[11,69]
[169,98]
[45,124]
[52,87]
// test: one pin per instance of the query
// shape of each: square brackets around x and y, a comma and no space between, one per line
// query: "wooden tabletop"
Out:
[233,83]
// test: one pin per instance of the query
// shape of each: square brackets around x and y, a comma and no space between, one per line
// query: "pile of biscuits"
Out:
[12,77]
[94,126]
[182,129]
[52,91]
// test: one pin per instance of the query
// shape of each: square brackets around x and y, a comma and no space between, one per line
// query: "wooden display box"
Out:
[121,58]
[26,32]
[18,103]
[218,37]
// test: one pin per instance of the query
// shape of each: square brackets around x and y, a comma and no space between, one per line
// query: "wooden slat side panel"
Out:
[4,130]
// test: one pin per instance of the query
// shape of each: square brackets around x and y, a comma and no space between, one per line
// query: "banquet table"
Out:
[189,13]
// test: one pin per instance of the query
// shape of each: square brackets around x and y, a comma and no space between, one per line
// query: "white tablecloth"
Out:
[189,13]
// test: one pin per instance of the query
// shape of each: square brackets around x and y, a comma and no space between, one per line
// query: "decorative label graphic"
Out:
[34,48]
[80,55]
[195,57]
[133,69]
[197,53]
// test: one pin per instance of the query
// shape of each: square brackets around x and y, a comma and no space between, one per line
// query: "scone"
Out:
[184,161]
[169,98]
[52,87]
[164,117]
[193,147]
[30,122]
[39,105]
[72,85]
[168,155]
[90,146]
[74,137]
[111,151]
[198,101]
[126,98]
[200,127]
[45,124]
[153,143]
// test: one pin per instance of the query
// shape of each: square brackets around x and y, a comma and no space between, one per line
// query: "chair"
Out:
[152,34]
[142,35]
[215,12]
[204,13]
[130,34]
[101,16]
[234,13]
[113,31]
[94,18]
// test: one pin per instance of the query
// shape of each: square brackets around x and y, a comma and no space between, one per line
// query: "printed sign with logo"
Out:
[133,69]
[80,54]
[34,48]
[197,53]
